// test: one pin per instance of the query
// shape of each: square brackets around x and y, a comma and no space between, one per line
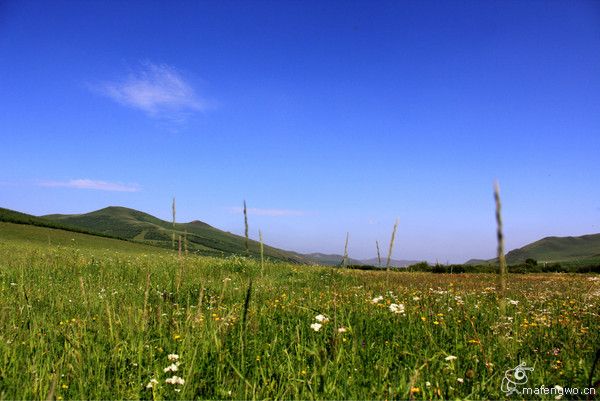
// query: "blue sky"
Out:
[327,117]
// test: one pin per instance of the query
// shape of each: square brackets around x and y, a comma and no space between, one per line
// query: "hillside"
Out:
[558,249]
[552,249]
[143,228]
[19,234]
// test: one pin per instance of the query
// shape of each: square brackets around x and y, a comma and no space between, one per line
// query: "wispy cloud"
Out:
[157,89]
[268,212]
[85,183]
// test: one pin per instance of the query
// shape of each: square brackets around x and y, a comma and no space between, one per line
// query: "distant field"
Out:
[93,318]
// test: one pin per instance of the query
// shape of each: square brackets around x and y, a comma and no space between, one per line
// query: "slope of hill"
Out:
[141,227]
[557,249]
[20,234]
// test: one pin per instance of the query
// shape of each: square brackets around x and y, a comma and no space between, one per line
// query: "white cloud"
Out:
[86,183]
[157,89]
[268,212]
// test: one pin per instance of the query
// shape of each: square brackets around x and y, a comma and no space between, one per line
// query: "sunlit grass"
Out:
[101,325]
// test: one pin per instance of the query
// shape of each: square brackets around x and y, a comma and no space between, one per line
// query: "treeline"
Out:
[529,266]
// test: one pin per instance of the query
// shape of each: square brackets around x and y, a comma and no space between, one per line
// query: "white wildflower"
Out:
[171,368]
[460,380]
[316,326]
[397,308]
[416,298]
[173,357]
[450,358]
[377,299]
[175,380]
[151,383]
[560,391]
[512,302]
[321,318]
[342,329]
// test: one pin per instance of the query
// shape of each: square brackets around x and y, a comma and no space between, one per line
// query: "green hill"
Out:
[141,227]
[558,249]
[20,234]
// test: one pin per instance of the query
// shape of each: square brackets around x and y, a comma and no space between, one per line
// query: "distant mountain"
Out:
[479,262]
[329,259]
[393,262]
[141,227]
[336,260]
[552,249]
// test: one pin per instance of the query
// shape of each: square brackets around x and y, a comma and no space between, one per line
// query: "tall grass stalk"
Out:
[389,257]
[173,209]
[378,254]
[502,270]
[262,253]
[246,226]
[345,260]
[185,242]
[146,295]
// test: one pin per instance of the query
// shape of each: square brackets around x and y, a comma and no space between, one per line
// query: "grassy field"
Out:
[81,321]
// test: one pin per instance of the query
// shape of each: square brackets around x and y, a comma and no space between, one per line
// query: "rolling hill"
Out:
[131,225]
[552,249]
[558,249]
[20,234]
[141,227]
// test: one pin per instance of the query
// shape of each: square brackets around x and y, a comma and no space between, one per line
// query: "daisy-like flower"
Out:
[512,302]
[173,357]
[460,380]
[171,368]
[175,380]
[151,383]
[316,326]
[450,358]
[397,308]
[321,318]
[342,329]
[377,299]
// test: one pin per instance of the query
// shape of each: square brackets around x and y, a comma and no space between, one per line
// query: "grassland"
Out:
[81,321]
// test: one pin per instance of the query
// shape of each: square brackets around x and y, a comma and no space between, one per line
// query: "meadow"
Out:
[87,322]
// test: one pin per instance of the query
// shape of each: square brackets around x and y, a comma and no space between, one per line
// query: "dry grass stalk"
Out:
[262,253]
[173,234]
[246,226]
[502,270]
[81,285]
[50,396]
[378,254]
[146,295]
[345,260]
[185,242]
[389,257]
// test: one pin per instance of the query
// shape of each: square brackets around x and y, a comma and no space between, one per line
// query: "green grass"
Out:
[98,324]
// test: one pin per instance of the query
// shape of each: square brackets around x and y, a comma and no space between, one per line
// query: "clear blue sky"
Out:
[326,117]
